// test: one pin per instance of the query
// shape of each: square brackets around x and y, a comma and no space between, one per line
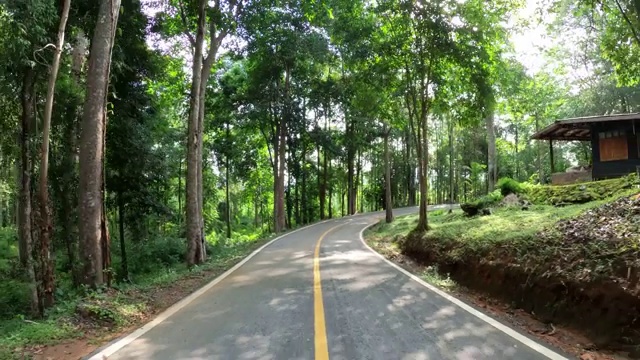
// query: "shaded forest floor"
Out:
[548,271]
[79,325]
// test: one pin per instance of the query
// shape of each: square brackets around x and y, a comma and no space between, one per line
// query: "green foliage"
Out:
[509,186]
[473,207]
[14,291]
[163,252]
[580,193]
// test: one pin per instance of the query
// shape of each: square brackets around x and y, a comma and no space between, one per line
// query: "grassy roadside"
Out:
[98,316]
[574,265]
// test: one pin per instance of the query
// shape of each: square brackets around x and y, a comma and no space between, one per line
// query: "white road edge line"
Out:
[505,329]
[119,344]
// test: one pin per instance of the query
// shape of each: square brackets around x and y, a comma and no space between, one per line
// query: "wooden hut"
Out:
[615,145]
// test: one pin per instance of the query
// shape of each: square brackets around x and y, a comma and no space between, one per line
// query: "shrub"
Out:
[146,256]
[509,186]
[473,207]
[14,297]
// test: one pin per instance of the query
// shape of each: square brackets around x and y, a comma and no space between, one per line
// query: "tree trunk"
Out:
[194,155]
[517,155]
[329,188]
[387,178]
[92,225]
[180,191]
[411,172]
[69,193]
[492,170]
[423,159]
[322,181]
[289,203]
[279,213]
[24,202]
[123,247]
[202,92]
[351,155]
[451,153]
[360,181]
[46,262]
[228,198]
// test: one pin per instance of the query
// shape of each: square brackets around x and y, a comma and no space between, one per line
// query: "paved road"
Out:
[346,303]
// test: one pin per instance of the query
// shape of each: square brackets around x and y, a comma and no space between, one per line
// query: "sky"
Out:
[529,44]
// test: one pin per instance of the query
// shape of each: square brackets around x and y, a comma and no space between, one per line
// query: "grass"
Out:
[508,235]
[504,225]
[433,276]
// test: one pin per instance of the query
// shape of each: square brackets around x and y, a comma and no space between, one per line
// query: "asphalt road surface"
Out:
[320,293]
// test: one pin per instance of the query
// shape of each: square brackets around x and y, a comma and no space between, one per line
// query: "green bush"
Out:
[580,193]
[147,256]
[14,298]
[473,207]
[509,186]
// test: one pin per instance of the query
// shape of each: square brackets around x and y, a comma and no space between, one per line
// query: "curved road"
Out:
[320,293]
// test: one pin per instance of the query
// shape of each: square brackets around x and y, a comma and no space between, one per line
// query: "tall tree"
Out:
[46,264]
[94,236]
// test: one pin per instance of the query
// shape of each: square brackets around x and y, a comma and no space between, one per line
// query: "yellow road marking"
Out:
[320,329]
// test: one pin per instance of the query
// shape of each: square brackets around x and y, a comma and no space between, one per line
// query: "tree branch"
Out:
[185,22]
[628,21]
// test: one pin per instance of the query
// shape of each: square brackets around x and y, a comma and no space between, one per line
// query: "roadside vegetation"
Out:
[573,263]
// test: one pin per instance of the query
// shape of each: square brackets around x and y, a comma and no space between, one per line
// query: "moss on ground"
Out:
[580,193]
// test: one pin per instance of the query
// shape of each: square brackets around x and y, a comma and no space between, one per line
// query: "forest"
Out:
[140,136]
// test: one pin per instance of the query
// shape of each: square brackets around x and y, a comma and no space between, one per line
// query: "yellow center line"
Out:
[320,329]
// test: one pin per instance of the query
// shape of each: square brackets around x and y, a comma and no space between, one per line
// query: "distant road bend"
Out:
[320,293]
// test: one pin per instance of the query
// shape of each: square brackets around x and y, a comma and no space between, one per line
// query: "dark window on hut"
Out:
[613,146]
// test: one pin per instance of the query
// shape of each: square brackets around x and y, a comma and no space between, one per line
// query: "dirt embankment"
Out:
[584,272]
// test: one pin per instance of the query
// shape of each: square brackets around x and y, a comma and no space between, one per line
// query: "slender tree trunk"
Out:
[451,172]
[207,64]
[180,191]
[387,178]
[306,209]
[255,210]
[228,198]
[411,172]
[491,152]
[24,203]
[351,157]
[289,203]
[322,181]
[517,155]
[46,263]
[69,195]
[342,203]
[94,247]
[123,246]
[360,182]
[301,212]
[280,215]
[423,156]
[280,152]
[194,154]
[330,194]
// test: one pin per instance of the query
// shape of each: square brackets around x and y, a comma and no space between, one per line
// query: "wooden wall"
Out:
[615,168]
